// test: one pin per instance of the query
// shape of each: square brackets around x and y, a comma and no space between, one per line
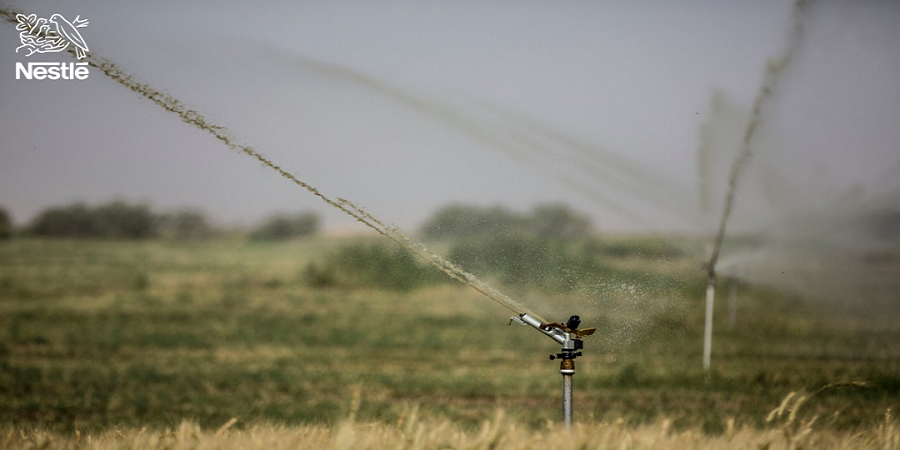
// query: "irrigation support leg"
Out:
[707,331]
[732,302]
[567,370]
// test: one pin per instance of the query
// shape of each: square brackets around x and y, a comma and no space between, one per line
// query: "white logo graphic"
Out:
[40,35]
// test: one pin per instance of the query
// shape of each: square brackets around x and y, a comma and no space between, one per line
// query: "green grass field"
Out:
[100,335]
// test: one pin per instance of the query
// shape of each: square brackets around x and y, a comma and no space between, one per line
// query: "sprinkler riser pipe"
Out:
[567,370]
[567,388]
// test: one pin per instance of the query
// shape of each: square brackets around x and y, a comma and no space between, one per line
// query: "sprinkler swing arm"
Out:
[569,337]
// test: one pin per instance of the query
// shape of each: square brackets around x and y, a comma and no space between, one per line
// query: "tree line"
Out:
[122,220]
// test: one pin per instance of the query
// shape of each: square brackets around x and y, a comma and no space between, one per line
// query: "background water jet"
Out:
[768,89]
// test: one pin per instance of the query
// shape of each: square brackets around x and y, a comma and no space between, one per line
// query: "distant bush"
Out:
[185,225]
[558,221]
[378,264]
[460,220]
[114,220]
[67,221]
[549,221]
[550,248]
[6,226]
[542,248]
[527,259]
[282,227]
[120,220]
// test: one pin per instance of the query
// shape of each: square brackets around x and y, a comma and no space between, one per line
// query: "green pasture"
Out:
[102,334]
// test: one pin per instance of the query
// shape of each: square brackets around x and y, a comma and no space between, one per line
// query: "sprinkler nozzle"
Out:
[557,334]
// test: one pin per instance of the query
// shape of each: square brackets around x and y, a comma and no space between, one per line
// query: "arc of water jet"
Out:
[609,175]
[192,117]
[458,120]
[630,174]
[589,191]
[773,70]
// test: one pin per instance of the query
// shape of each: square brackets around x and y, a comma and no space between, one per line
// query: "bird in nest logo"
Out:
[40,35]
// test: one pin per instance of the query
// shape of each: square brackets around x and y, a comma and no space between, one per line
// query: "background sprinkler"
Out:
[569,336]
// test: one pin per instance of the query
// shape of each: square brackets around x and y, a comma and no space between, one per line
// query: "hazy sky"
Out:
[403,107]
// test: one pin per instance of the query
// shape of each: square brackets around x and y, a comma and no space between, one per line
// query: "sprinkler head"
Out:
[568,335]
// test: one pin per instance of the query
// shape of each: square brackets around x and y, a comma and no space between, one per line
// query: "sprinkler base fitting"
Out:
[568,355]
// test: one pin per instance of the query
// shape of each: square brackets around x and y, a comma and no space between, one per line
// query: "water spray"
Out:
[774,69]
[569,337]
[194,118]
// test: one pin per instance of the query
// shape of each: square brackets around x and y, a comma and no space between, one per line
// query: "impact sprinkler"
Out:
[569,336]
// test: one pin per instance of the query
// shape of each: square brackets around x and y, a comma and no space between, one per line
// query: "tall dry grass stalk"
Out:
[414,433]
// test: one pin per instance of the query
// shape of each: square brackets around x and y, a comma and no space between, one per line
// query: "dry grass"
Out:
[413,432]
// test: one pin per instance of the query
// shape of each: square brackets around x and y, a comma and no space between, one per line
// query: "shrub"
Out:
[282,227]
[558,221]
[6,226]
[380,265]
[114,220]
[67,221]
[549,221]
[544,248]
[119,220]
[527,259]
[185,225]
[459,221]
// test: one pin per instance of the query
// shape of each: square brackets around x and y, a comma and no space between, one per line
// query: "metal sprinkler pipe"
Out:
[708,324]
[567,370]
[569,337]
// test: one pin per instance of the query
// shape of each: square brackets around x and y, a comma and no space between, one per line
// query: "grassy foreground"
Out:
[160,344]
[411,433]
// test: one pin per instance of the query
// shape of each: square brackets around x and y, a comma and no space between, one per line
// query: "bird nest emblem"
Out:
[40,35]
